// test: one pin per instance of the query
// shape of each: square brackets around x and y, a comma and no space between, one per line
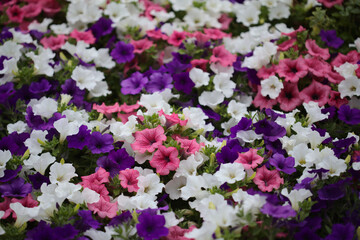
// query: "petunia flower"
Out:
[128,179]
[289,97]
[183,83]
[86,221]
[283,164]
[101,143]
[81,139]
[342,231]
[223,56]
[134,84]
[141,45]
[330,38]
[148,139]
[292,70]
[151,226]
[165,159]
[316,51]
[349,115]
[278,211]
[104,208]
[316,92]
[267,180]
[123,52]
[250,159]
[176,38]
[159,82]
[15,188]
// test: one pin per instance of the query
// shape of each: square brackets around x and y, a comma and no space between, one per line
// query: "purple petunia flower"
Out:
[86,221]
[79,140]
[283,164]
[342,231]
[6,90]
[14,143]
[278,211]
[227,155]
[275,146]
[10,174]
[176,66]
[349,115]
[123,52]
[134,84]
[341,146]
[243,125]
[38,179]
[5,34]
[15,188]
[109,165]
[122,158]
[307,233]
[44,231]
[159,82]
[102,27]
[40,87]
[331,192]
[330,38]
[100,143]
[305,183]
[183,82]
[210,113]
[271,130]
[123,217]
[151,226]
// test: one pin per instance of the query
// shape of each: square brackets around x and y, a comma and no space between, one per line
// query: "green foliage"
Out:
[64,215]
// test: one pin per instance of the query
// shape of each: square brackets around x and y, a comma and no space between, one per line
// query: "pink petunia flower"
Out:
[128,178]
[215,33]
[104,208]
[87,36]
[294,33]
[284,46]
[50,7]
[177,233]
[100,176]
[141,45]
[15,14]
[27,201]
[334,77]
[351,57]
[156,34]
[201,38]
[316,92]
[330,3]
[31,10]
[54,43]
[165,159]
[336,100]
[223,56]
[265,72]
[199,63]
[225,21]
[250,159]
[148,139]
[176,38]
[188,146]
[267,180]
[107,110]
[292,70]
[318,67]
[5,206]
[172,119]
[263,102]
[289,97]
[316,51]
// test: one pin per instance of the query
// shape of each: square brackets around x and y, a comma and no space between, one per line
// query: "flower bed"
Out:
[172,119]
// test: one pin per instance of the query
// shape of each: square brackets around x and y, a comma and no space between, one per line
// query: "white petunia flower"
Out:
[45,107]
[33,143]
[65,128]
[23,214]
[223,84]
[347,70]
[296,196]
[104,59]
[41,27]
[86,78]
[349,87]
[174,186]
[11,49]
[230,173]
[280,11]
[211,99]
[116,11]
[60,173]
[41,61]
[314,113]
[18,127]
[271,87]
[236,109]
[199,77]
[5,156]
[40,163]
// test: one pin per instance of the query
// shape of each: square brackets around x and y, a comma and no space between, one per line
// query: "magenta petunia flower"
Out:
[128,178]
[165,159]
[250,159]
[292,70]
[148,139]
[318,67]
[289,97]
[316,51]
[316,92]
[123,52]
[267,180]
[222,56]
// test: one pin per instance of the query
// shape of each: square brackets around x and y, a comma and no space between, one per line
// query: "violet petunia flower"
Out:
[307,233]
[81,139]
[349,115]
[44,231]
[278,211]
[10,174]
[342,231]
[134,84]
[183,82]
[119,219]
[15,188]
[14,143]
[226,155]
[159,82]
[86,221]
[102,27]
[38,179]
[6,90]
[151,226]
[100,143]
[122,52]
[243,125]
[122,158]
[330,38]
[331,192]
[271,130]
[283,164]
[40,87]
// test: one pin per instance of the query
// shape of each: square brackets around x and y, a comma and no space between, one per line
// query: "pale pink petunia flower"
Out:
[87,36]
[148,139]
[316,51]
[104,208]
[141,45]
[128,178]
[165,159]
[100,176]
[267,180]
[222,56]
[54,43]
[250,159]
[107,110]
